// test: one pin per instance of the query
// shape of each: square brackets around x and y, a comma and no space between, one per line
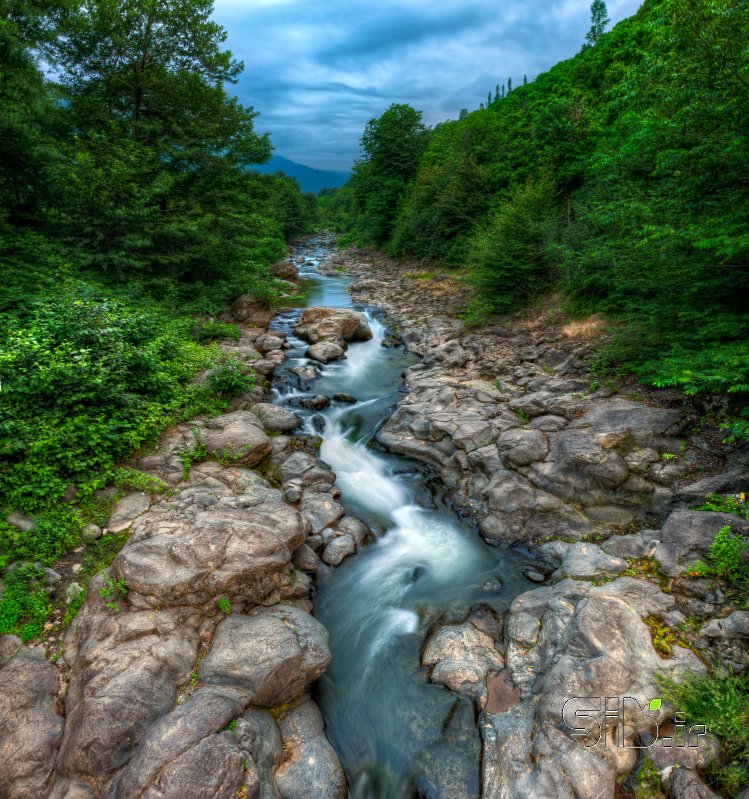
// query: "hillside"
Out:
[309,179]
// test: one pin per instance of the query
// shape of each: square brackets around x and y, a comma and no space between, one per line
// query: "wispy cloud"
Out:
[318,70]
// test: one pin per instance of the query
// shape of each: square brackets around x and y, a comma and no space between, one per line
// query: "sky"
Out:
[319,70]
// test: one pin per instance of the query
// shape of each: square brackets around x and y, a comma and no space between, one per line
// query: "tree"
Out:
[488,99]
[525,80]
[392,147]
[599,19]
[509,85]
[157,138]
[496,93]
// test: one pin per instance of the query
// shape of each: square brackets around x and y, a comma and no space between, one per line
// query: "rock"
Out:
[269,342]
[24,523]
[534,576]
[332,324]
[320,511]
[613,515]
[462,657]
[9,645]
[274,418]
[250,310]
[238,437]
[520,447]
[306,559]
[124,672]
[127,510]
[274,655]
[574,640]
[30,727]
[91,532]
[583,561]
[637,545]
[286,270]
[316,403]
[179,559]
[734,626]
[688,535]
[325,351]
[686,784]
[53,577]
[354,527]
[258,733]
[347,398]
[188,753]
[339,549]
[311,768]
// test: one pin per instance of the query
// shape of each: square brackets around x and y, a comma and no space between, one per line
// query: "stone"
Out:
[325,351]
[125,669]
[306,559]
[30,727]
[686,784]
[286,270]
[311,767]
[354,527]
[613,515]
[127,510]
[250,310]
[338,549]
[269,342]
[332,324]
[9,645]
[347,398]
[315,403]
[72,591]
[24,523]
[534,576]
[636,545]
[275,418]
[734,626]
[258,734]
[581,560]
[187,753]
[688,535]
[274,655]
[238,437]
[179,559]
[321,511]
[462,657]
[520,447]
[91,532]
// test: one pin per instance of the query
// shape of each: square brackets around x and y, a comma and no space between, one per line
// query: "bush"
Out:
[721,702]
[231,378]
[25,604]
[215,331]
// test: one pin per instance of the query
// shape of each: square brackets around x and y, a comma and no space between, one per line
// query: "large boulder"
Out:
[175,558]
[311,767]
[325,351]
[237,437]
[30,727]
[249,310]
[276,419]
[125,671]
[461,658]
[286,269]
[332,324]
[274,655]
[127,510]
[688,535]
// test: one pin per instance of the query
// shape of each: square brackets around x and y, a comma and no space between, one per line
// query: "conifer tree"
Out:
[599,19]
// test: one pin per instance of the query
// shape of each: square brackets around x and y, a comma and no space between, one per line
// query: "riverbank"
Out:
[440,664]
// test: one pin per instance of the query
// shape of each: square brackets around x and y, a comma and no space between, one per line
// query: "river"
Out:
[397,735]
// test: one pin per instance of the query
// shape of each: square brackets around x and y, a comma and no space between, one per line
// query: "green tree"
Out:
[599,19]
[392,146]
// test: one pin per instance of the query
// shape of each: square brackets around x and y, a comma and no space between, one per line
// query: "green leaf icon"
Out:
[655,704]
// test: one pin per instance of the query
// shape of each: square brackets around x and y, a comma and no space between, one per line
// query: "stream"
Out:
[397,735]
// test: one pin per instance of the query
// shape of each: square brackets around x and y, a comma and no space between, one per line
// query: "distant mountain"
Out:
[309,179]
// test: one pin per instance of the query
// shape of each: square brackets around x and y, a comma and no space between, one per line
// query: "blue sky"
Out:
[319,70]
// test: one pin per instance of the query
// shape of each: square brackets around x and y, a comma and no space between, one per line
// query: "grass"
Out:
[721,702]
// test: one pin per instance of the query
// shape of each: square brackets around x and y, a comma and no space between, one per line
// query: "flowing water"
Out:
[398,736]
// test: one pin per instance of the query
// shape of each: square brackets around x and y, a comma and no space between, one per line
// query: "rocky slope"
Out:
[187,671]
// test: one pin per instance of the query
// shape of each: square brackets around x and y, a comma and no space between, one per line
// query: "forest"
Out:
[618,179]
[129,219]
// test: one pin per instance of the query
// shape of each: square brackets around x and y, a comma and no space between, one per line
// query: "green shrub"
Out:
[726,503]
[231,378]
[215,331]
[25,604]
[721,702]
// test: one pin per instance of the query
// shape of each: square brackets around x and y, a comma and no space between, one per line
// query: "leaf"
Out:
[655,704]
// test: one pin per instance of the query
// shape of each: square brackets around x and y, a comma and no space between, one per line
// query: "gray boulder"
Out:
[339,549]
[688,535]
[311,767]
[127,510]
[274,655]
[332,324]
[581,560]
[277,419]
[238,437]
[325,351]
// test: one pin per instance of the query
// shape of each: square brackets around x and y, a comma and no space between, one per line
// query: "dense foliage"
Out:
[129,217]
[619,177]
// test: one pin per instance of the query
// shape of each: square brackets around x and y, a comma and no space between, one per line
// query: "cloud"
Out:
[319,70]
